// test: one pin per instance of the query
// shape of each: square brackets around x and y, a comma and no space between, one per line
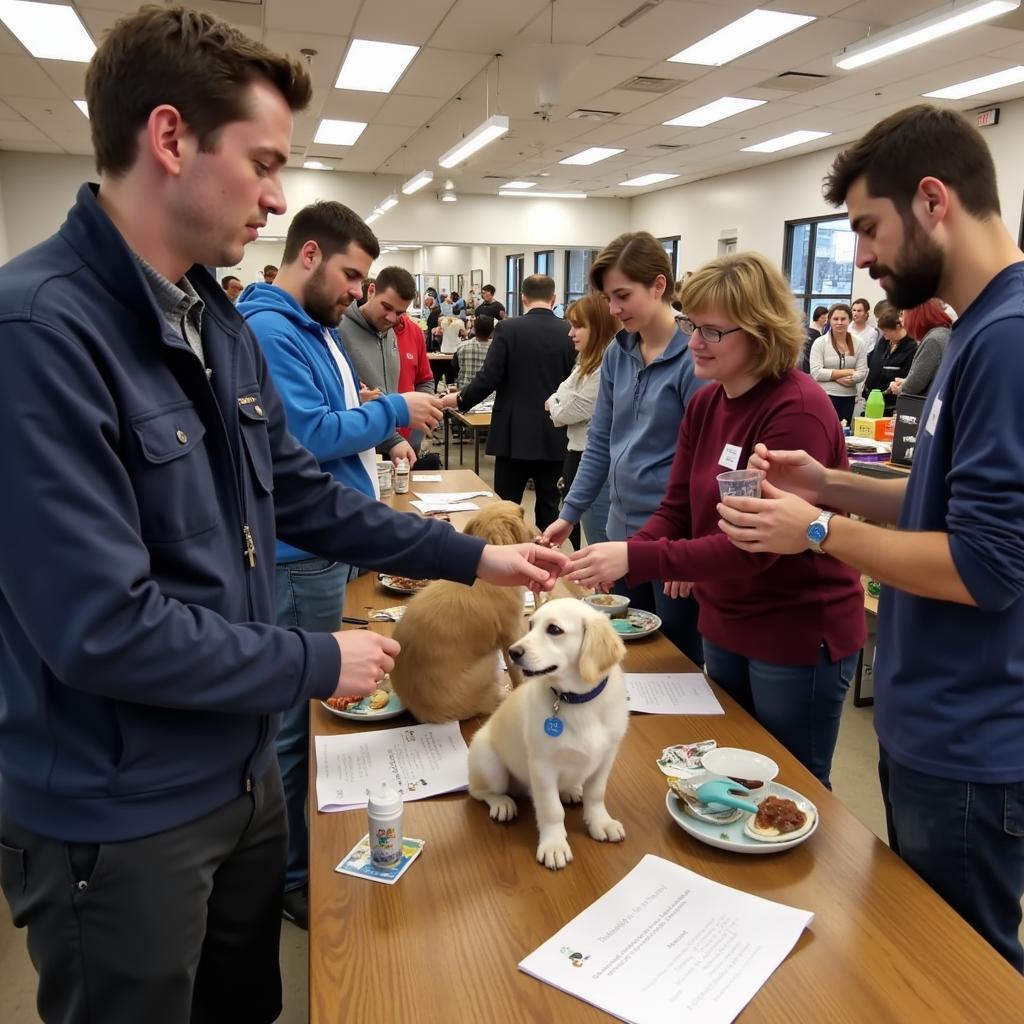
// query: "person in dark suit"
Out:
[529,356]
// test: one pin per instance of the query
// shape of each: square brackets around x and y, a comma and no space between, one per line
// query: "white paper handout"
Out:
[427,478]
[443,496]
[420,760]
[666,944]
[443,506]
[671,693]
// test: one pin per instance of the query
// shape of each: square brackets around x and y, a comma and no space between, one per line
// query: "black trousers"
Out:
[182,926]
[510,476]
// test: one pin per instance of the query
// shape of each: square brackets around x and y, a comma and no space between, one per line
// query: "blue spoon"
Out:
[718,791]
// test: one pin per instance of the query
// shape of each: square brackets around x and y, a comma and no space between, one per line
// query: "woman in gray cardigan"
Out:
[931,324]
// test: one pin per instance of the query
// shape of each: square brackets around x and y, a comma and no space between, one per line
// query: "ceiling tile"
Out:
[441,73]
[382,23]
[335,17]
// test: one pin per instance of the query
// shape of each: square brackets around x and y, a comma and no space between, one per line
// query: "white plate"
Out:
[387,581]
[361,712]
[733,837]
[643,623]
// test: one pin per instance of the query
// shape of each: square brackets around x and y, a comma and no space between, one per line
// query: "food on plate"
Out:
[748,783]
[777,816]
[606,600]
[378,699]
[343,703]
[406,583]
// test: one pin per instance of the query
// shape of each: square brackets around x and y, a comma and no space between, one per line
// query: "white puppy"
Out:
[557,735]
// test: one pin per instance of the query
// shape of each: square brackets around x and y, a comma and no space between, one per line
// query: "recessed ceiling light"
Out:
[339,133]
[449,197]
[82,106]
[748,33]
[316,165]
[784,142]
[519,184]
[417,181]
[648,179]
[374,67]
[727,106]
[493,128]
[542,195]
[1011,76]
[48,31]
[592,155]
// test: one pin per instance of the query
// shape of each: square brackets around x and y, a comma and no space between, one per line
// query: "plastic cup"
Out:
[740,483]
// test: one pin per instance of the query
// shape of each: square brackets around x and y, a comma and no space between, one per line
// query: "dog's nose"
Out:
[516,654]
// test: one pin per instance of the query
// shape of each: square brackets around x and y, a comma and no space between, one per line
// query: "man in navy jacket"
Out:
[148,470]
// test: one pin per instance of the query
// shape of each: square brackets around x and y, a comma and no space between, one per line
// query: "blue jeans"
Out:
[310,594]
[678,615]
[966,840]
[800,705]
[595,519]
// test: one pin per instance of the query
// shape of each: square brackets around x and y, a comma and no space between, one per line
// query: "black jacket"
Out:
[885,366]
[528,358]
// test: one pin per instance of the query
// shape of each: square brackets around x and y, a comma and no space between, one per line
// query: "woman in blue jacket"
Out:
[646,380]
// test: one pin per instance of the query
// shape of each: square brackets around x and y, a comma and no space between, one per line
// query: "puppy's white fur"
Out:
[571,647]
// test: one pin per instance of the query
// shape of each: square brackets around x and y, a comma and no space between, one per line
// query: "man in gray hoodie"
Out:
[368,333]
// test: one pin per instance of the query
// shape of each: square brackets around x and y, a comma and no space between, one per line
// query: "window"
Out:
[544,262]
[577,271]
[671,246]
[513,284]
[819,261]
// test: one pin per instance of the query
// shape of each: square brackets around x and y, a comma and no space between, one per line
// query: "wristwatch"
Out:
[818,531]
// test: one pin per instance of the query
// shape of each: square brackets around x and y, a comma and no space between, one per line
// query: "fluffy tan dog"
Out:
[451,634]
[557,735]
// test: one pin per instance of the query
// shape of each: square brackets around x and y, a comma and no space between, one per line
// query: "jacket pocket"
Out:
[256,440]
[173,481]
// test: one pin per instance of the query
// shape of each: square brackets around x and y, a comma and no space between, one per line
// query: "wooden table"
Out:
[443,943]
[476,423]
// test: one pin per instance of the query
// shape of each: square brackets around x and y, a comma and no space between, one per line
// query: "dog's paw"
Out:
[554,853]
[503,808]
[606,830]
[572,796]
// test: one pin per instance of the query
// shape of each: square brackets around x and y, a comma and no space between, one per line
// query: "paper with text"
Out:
[666,944]
[450,496]
[671,693]
[427,478]
[419,760]
[444,506]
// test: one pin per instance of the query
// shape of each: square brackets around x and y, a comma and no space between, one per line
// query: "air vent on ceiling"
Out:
[669,147]
[592,115]
[645,83]
[796,81]
[494,177]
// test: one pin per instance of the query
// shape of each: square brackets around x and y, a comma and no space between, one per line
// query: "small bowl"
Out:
[613,605]
[743,766]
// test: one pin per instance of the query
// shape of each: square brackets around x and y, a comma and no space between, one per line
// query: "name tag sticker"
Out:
[730,456]
[933,415]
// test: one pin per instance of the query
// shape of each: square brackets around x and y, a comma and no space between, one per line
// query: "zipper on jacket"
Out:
[249,554]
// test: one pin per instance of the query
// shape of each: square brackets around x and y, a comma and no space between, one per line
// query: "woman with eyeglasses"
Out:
[839,362]
[647,379]
[781,633]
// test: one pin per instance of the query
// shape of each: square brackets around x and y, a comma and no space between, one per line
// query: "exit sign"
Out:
[984,118]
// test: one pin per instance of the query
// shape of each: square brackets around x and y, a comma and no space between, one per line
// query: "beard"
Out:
[324,307]
[921,262]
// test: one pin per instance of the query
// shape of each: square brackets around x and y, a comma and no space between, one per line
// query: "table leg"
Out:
[447,421]
[476,451]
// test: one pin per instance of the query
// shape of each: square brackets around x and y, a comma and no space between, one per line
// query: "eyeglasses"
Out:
[712,334]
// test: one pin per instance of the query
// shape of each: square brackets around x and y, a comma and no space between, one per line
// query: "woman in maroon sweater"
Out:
[781,632]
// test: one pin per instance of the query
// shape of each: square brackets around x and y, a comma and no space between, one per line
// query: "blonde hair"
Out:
[640,256]
[752,292]
[592,312]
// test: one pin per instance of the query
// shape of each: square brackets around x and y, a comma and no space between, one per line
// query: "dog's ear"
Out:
[601,649]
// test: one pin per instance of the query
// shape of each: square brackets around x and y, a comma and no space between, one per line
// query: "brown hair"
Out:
[860,302]
[333,226]
[751,291]
[915,143]
[889,319]
[399,279]
[187,59]
[640,256]
[538,288]
[926,317]
[592,312]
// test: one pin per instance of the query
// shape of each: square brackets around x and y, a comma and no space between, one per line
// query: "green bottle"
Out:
[874,408]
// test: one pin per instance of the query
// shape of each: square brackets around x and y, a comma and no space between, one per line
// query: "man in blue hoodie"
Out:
[327,254]
[148,469]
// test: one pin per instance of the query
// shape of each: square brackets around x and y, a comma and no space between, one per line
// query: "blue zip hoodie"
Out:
[632,438]
[311,389]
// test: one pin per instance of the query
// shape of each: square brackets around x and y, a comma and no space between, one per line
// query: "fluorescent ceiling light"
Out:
[918,31]
[493,128]
[316,165]
[712,112]
[592,155]
[449,197]
[389,204]
[1011,76]
[740,37]
[784,142]
[48,31]
[372,217]
[415,183]
[374,67]
[543,195]
[82,106]
[339,133]
[647,179]
[519,184]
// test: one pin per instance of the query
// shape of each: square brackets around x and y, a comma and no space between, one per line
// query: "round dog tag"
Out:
[553,726]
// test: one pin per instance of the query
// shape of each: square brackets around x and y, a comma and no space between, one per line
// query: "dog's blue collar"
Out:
[580,698]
